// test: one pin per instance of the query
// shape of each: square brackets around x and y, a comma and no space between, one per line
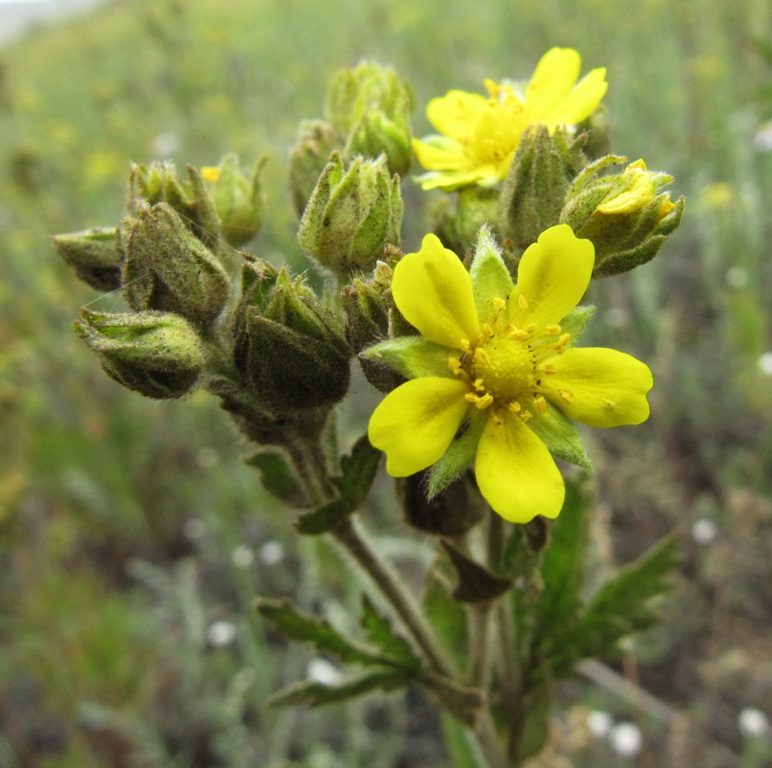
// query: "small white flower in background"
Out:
[271,553]
[322,671]
[599,723]
[165,143]
[194,529]
[221,633]
[626,739]
[736,277]
[753,723]
[762,141]
[765,363]
[242,556]
[704,531]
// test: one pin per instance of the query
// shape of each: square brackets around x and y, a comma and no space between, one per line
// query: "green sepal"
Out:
[560,436]
[278,477]
[576,321]
[310,693]
[288,620]
[358,473]
[412,356]
[380,633]
[476,584]
[460,453]
[490,277]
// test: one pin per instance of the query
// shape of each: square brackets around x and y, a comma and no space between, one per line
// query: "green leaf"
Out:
[310,693]
[380,633]
[536,725]
[461,750]
[278,477]
[358,472]
[412,356]
[490,277]
[563,562]
[446,616]
[560,436]
[285,616]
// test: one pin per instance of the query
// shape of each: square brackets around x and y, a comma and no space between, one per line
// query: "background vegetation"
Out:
[133,539]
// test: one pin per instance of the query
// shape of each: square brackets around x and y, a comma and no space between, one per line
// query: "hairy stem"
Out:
[384,577]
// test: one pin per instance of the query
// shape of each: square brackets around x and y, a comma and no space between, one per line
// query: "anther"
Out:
[567,395]
[522,302]
[540,404]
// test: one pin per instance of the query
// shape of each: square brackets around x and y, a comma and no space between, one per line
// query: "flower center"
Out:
[506,366]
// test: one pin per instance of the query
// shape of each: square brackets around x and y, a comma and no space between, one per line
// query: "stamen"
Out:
[480,401]
[540,404]
[553,329]
[464,345]
[455,365]
[499,303]
[478,385]
[514,406]
[567,395]
[522,302]
[562,343]
[526,415]
[481,357]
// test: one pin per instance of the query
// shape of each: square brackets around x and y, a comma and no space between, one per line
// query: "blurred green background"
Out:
[133,539]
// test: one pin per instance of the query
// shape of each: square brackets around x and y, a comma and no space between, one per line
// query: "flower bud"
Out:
[368,308]
[309,156]
[625,215]
[156,354]
[539,178]
[160,183]
[352,215]
[95,256]
[289,348]
[167,268]
[371,106]
[237,199]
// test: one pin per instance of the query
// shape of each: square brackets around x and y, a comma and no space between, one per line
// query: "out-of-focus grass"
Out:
[129,528]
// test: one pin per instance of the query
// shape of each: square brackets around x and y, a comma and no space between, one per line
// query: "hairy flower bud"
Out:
[167,268]
[237,199]
[160,183]
[309,156]
[625,215]
[368,308]
[539,178]
[289,348]
[371,105]
[95,256]
[352,215]
[157,354]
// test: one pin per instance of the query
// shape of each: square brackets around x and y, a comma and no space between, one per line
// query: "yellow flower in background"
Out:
[494,373]
[477,136]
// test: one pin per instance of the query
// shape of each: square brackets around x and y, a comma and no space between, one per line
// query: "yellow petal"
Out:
[601,387]
[552,277]
[415,423]
[434,293]
[439,153]
[555,75]
[456,113]
[515,472]
[639,193]
[581,102]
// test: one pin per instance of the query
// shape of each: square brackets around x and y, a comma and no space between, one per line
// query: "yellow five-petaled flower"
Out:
[477,136]
[499,356]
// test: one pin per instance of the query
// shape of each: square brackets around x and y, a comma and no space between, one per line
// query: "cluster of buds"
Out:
[352,215]
[367,115]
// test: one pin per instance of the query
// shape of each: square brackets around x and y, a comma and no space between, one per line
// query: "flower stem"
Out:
[383,576]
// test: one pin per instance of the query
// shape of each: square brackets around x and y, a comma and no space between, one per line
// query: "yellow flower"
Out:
[479,135]
[638,188]
[495,370]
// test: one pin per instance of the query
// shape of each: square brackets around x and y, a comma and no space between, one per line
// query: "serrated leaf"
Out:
[412,356]
[278,477]
[380,633]
[563,562]
[308,629]
[310,693]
